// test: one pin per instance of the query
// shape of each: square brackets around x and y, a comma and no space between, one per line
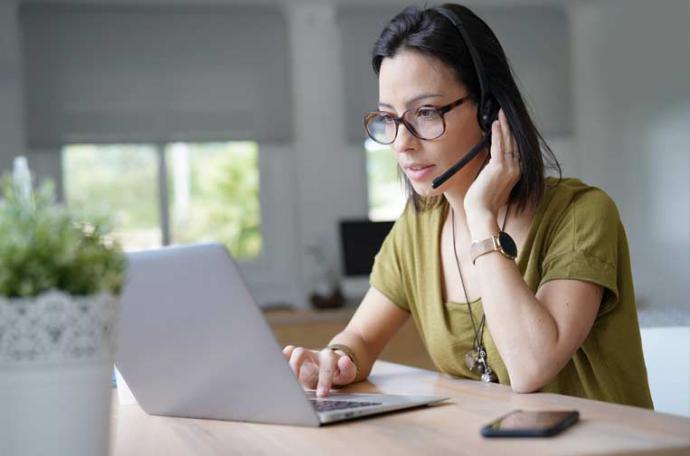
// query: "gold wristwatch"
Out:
[502,244]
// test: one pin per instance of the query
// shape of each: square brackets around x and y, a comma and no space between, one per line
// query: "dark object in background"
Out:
[360,242]
[332,301]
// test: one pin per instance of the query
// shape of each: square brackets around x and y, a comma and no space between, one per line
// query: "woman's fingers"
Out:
[497,149]
[309,374]
[320,370]
[491,189]
[327,370]
[505,134]
[346,371]
[300,362]
[297,357]
[287,351]
[510,149]
[506,147]
[514,147]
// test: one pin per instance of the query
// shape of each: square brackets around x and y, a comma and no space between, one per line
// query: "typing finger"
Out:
[327,361]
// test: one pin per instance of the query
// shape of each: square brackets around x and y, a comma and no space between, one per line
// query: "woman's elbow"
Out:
[524,388]
[525,384]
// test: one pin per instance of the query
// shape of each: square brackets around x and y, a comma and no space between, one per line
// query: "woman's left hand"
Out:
[491,189]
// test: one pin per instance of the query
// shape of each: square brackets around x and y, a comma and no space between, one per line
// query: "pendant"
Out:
[472,361]
[489,377]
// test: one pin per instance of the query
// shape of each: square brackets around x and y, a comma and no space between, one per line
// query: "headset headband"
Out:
[485,104]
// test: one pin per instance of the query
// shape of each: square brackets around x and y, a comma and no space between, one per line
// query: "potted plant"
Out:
[60,279]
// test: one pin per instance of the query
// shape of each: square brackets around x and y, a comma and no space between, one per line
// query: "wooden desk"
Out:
[452,428]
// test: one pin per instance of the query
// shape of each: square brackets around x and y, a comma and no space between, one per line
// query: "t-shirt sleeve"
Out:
[584,245]
[387,272]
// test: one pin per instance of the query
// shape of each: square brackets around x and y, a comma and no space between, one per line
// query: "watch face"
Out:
[507,244]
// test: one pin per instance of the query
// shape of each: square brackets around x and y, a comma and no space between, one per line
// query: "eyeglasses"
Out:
[425,122]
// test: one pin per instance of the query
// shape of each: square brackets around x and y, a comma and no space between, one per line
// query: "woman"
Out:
[509,276]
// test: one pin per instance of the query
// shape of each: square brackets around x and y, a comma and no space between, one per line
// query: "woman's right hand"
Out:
[320,369]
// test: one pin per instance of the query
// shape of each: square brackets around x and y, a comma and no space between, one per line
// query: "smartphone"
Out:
[520,423]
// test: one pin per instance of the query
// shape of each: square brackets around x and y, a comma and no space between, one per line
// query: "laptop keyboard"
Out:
[328,405]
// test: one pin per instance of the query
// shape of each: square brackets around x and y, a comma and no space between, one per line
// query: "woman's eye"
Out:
[426,113]
[387,119]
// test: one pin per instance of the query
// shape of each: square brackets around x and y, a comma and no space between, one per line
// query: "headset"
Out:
[487,110]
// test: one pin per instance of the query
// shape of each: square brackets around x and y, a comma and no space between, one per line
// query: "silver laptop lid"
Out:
[193,343]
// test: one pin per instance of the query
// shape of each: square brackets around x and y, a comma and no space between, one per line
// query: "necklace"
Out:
[477,358]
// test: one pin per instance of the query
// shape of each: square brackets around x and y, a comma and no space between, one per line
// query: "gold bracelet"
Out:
[348,352]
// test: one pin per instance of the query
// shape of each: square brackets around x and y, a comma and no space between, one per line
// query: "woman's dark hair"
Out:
[430,33]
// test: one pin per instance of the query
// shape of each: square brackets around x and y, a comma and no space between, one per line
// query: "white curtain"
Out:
[141,74]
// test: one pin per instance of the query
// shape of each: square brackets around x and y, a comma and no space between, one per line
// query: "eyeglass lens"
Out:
[424,123]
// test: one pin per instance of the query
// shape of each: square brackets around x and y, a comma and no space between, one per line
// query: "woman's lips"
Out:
[419,172]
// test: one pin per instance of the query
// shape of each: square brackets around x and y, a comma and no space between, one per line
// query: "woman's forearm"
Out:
[525,333]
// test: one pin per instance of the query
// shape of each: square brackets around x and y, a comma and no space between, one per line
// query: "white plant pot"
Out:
[56,363]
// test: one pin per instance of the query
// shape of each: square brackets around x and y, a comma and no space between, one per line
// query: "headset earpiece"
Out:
[486,114]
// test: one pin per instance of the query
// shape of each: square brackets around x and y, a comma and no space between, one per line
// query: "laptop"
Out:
[193,343]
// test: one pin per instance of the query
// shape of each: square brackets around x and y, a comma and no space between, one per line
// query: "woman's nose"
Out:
[405,140]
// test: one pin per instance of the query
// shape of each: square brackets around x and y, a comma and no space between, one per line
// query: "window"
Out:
[209,192]
[386,190]
[118,179]
[214,195]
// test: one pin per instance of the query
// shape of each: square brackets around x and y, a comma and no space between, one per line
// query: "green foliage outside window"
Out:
[213,192]
[223,201]
[120,180]
[386,191]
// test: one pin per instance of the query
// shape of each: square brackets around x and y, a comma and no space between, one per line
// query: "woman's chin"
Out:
[425,190]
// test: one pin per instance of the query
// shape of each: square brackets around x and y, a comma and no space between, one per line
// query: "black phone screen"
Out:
[521,423]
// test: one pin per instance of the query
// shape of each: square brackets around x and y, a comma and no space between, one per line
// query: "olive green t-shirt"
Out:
[577,234]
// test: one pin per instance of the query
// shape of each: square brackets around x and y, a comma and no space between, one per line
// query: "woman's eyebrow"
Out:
[413,100]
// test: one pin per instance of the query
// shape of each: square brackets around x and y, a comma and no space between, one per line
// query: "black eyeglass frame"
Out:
[441,110]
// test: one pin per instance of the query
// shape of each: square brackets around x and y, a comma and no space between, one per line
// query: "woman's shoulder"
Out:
[569,194]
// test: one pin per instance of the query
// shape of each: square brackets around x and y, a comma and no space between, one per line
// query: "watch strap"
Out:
[485,246]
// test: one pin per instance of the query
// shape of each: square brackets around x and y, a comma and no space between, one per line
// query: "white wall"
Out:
[330,175]
[632,116]
[148,73]
[668,370]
